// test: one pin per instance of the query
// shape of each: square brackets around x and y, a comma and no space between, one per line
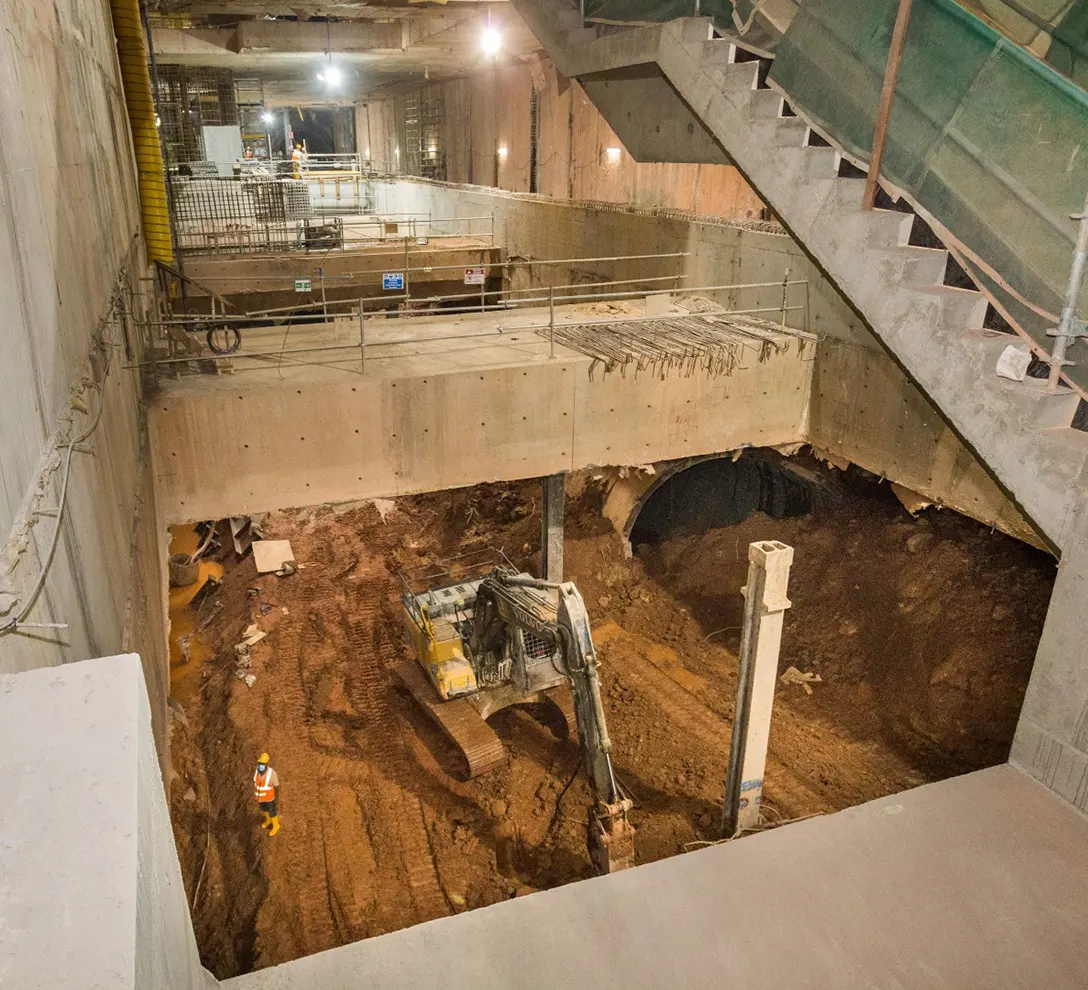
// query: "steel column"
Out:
[552,509]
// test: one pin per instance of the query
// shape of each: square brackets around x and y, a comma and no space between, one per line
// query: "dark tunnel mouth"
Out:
[723,491]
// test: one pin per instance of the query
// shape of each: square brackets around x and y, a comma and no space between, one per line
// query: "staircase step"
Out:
[961,309]
[695,29]
[580,36]
[918,266]
[1054,410]
[567,19]
[790,132]
[717,52]
[845,194]
[888,228]
[739,76]
[766,105]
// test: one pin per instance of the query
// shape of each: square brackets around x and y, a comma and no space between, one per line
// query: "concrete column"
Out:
[765,602]
[551,526]
[1051,741]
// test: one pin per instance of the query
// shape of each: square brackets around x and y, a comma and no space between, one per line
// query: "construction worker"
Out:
[265,783]
[296,161]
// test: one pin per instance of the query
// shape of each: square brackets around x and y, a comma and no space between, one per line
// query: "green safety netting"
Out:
[987,139]
[990,141]
[1054,30]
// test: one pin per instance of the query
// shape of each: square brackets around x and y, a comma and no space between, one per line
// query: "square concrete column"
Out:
[765,603]
[551,526]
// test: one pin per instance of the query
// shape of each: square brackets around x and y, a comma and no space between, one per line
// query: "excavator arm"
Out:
[516,600]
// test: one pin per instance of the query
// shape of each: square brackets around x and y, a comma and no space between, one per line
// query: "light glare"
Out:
[491,41]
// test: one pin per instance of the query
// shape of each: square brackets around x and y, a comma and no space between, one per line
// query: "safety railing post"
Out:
[884,109]
[1069,327]
[551,322]
[362,339]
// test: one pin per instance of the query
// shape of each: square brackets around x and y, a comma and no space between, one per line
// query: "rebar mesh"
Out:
[713,343]
[189,98]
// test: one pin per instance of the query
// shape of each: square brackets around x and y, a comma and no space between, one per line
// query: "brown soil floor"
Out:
[923,632]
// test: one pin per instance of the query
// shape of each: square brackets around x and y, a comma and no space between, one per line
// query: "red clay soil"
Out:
[923,632]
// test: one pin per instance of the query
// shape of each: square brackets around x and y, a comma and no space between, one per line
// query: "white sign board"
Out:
[223,145]
[475,276]
[303,285]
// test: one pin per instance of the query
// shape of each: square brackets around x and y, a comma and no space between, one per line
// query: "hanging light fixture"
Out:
[331,76]
[491,39]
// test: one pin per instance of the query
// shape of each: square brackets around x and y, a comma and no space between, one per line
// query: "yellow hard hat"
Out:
[263,758]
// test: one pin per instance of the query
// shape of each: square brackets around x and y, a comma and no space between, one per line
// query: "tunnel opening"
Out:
[724,491]
[922,632]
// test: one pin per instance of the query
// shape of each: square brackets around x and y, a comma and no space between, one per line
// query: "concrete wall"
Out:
[92,893]
[865,409]
[490,111]
[69,226]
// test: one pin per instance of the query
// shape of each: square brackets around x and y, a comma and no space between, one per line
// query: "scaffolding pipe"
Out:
[150,174]
[1069,328]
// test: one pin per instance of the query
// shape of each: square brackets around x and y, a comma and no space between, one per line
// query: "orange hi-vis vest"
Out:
[263,790]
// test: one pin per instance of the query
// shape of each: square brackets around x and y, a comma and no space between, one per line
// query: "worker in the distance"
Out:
[265,783]
[296,161]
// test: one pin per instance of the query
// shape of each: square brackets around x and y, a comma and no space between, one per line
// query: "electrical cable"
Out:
[232,342]
[11,625]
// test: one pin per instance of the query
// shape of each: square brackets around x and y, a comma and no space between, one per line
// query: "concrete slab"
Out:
[91,892]
[440,404]
[973,882]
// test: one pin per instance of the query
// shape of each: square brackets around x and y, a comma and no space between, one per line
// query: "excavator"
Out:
[484,641]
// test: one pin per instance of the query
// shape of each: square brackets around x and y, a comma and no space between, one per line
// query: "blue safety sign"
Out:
[393,280]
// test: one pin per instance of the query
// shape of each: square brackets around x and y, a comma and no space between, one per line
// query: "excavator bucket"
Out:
[611,841]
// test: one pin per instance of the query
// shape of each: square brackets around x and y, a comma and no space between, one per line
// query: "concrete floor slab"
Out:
[443,403]
[972,882]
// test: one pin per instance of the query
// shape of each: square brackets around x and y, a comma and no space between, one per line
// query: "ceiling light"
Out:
[502,151]
[332,75]
[613,155]
[267,117]
[490,41]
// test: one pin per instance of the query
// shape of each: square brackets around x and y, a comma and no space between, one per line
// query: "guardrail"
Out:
[227,330]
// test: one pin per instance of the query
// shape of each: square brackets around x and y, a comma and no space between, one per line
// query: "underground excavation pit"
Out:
[921,630]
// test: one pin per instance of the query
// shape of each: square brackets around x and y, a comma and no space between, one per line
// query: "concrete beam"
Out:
[315,36]
[475,406]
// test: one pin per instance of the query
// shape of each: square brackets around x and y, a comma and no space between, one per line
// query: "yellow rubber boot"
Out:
[275,825]
[267,820]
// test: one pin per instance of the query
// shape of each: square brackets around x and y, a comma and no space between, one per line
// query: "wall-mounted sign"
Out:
[474,276]
[393,280]
[303,285]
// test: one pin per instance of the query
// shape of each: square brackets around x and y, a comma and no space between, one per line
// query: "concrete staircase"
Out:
[934,330]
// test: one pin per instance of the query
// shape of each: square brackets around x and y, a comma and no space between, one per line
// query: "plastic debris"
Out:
[273,557]
[1013,363]
[793,676]
[253,635]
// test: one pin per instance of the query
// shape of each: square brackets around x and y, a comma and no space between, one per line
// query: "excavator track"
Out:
[481,749]
[560,696]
